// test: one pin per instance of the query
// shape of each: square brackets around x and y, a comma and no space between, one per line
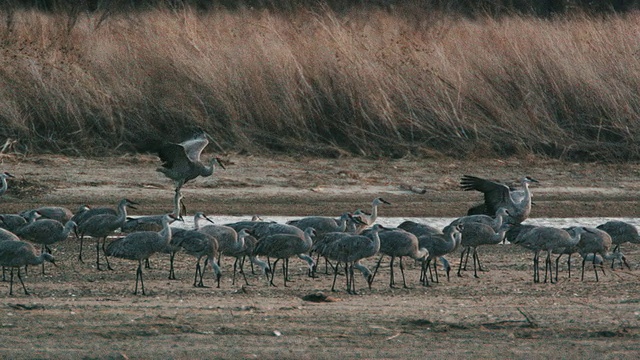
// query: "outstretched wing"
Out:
[193,147]
[174,157]
[496,195]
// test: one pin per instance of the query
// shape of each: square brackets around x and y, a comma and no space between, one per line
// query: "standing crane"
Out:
[284,246]
[15,254]
[45,232]
[141,245]
[103,225]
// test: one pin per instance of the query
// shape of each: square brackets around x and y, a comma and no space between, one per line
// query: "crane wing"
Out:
[173,156]
[193,147]
[496,195]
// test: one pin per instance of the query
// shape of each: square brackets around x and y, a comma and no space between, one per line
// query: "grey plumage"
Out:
[282,247]
[178,235]
[83,213]
[152,222]
[15,254]
[59,213]
[368,219]
[475,234]
[397,243]
[594,241]
[546,238]
[45,232]
[102,225]
[322,224]
[621,232]
[12,222]
[349,249]
[439,245]
[497,195]
[141,245]
[419,229]
[199,245]
[3,181]
[181,161]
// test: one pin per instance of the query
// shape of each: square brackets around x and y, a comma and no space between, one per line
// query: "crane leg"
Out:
[335,275]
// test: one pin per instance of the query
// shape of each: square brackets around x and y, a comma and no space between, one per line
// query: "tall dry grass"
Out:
[365,82]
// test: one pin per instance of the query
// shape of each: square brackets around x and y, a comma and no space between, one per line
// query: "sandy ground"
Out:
[75,311]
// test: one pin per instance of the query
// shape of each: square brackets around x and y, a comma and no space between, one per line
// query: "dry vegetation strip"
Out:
[366,82]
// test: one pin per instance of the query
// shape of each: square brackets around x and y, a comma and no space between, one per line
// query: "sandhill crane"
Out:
[83,213]
[245,224]
[200,245]
[497,195]
[152,222]
[419,229]
[12,222]
[621,232]
[546,238]
[350,249]
[476,234]
[250,242]
[370,218]
[227,239]
[594,241]
[15,254]
[238,251]
[438,245]
[397,243]
[45,232]
[58,213]
[3,180]
[284,246]
[181,161]
[322,224]
[141,245]
[103,225]
[6,235]
[178,235]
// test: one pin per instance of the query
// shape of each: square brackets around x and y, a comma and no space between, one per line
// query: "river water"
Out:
[437,222]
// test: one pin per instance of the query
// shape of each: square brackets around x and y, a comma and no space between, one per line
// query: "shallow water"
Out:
[438,222]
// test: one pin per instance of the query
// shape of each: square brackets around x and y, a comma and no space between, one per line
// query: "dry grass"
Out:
[367,82]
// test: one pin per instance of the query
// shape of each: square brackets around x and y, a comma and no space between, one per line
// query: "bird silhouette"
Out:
[141,245]
[14,254]
[497,195]
[181,161]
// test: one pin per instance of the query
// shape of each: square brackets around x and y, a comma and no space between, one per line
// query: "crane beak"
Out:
[219,161]
[384,201]
[9,175]
[206,218]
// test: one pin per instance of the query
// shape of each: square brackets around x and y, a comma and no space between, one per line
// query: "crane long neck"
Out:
[4,186]
[374,214]
[177,209]
[240,242]
[263,265]
[422,252]
[165,233]
[376,241]
[122,212]
[342,224]
[497,222]
[67,229]
[214,265]
[527,192]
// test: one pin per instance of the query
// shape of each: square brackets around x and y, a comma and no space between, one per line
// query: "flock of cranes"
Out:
[343,242]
